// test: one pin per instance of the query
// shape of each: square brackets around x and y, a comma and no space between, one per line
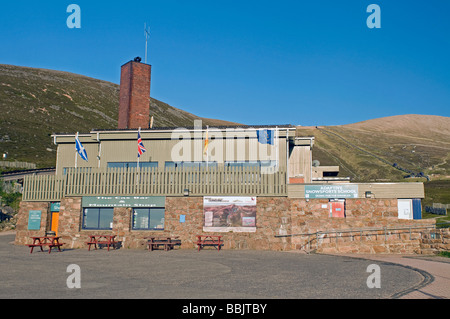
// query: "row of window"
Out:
[193,164]
[142,218]
[260,164]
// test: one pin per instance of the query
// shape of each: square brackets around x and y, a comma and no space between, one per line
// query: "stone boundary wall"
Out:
[275,216]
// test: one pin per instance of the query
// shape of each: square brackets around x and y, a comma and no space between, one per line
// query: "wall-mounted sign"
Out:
[34,219]
[228,213]
[54,206]
[331,191]
[123,201]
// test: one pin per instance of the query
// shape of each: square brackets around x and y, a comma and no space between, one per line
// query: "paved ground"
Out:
[436,271]
[231,274]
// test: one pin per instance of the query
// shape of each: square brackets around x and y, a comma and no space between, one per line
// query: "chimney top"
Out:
[134,95]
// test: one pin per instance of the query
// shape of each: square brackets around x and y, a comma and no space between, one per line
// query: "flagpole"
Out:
[138,157]
[277,150]
[207,141]
[139,132]
[76,157]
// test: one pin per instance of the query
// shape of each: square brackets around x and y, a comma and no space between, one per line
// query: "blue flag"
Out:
[80,149]
[265,136]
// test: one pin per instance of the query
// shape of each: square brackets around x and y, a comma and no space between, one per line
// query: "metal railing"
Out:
[156,181]
[361,233]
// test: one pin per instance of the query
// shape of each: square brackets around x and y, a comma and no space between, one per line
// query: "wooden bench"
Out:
[167,242]
[41,241]
[209,240]
[107,240]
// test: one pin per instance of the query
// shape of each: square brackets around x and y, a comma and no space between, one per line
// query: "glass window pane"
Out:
[250,164]
[208,164]
[157,218]
[190,164]
[140,218]
[90,218]
[106,218]
[115,164]
[148,164]
[170,164]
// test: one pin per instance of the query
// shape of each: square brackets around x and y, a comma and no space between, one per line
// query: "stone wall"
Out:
[275,216]
[22,233]
[309,217]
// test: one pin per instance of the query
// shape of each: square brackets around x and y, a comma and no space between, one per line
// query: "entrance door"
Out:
[338,208]
[55,220]
[405,209]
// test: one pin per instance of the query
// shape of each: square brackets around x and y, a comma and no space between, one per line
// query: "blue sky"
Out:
[252,62]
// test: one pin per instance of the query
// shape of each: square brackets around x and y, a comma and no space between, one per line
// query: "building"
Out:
[256,185]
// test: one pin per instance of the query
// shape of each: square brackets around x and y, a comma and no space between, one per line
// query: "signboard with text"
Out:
[34,220]
[228,213]
[331,191]
[123,201]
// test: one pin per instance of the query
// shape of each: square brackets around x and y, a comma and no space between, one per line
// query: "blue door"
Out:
[417,208]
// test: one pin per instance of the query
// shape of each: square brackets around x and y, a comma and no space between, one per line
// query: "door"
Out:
[405,209]
[417,208]
[337,208]
[55,220]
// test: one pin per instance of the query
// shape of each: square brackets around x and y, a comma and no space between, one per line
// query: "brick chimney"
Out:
[134,97]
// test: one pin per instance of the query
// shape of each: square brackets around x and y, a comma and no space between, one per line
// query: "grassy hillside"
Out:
[34,103]
[367,151]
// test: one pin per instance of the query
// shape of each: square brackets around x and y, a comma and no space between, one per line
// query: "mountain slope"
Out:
[374,150]
[35,103]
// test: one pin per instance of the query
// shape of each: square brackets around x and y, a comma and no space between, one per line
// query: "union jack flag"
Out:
[141,148]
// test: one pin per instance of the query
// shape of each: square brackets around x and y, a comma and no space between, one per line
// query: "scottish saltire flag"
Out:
[265,136]
[141,148]
[80,149]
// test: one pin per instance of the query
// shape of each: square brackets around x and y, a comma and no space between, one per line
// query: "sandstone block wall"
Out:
[275,216]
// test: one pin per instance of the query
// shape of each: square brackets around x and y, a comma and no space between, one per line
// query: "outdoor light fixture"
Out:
[369,194]
[186,192]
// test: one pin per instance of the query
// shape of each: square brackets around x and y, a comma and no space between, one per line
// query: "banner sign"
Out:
[34,220]
[228,213]
[123,201]
[331,191]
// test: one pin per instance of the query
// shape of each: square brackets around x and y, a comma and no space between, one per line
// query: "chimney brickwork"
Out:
[134,97]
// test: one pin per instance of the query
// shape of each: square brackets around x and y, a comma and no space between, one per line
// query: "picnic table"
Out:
[108,240]
[209,240]
[166,241]
[50,241]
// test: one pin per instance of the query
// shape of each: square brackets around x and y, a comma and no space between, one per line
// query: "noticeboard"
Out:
[229,213]
[34,220]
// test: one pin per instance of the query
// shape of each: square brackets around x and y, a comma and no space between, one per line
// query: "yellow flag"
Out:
[205,149]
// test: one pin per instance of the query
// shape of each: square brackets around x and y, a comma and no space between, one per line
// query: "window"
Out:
[245,164]
[132,164]
[148,219]
[98,218]
[190,164]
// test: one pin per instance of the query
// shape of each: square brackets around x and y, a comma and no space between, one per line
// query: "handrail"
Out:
[360,230]
[356,230]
